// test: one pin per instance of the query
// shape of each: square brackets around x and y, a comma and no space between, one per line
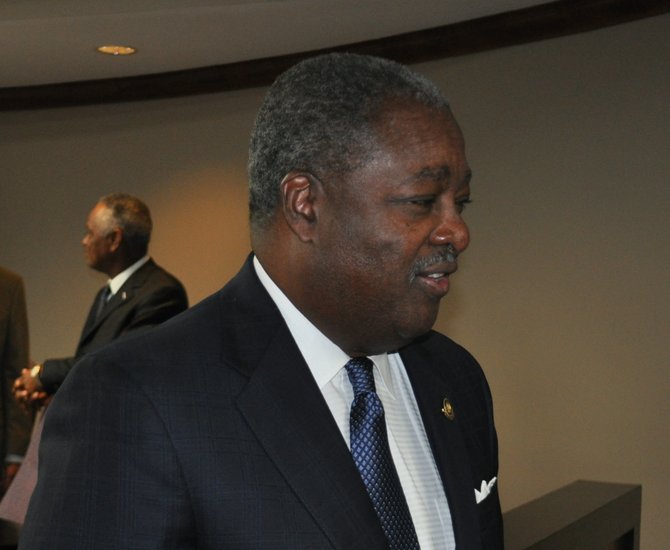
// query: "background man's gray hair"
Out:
[317,117]
[132,216]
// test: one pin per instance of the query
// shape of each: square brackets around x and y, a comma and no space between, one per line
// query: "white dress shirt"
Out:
[409,444]
[117,282]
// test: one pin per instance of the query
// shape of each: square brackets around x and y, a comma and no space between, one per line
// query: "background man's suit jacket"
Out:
[210,433]
[149,297]
[14,422]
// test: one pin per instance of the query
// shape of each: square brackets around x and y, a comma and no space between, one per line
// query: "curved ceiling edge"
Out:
[551,20]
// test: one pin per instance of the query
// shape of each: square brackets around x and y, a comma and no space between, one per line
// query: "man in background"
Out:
[307,404]
[15,422]
[138,295]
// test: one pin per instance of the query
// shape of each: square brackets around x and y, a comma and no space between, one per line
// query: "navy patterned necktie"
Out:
[372,455]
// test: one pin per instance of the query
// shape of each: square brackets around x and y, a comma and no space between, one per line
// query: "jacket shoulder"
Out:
[443,348]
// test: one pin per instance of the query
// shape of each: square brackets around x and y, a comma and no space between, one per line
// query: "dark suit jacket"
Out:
[149,297]
[210,433]
[15,424]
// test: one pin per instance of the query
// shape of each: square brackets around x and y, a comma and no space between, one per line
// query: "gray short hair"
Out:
[132,216]
[318,117]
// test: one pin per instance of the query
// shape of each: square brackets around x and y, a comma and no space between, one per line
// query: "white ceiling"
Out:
[52,41]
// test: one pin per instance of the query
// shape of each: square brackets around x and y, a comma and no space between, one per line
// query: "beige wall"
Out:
[563,295]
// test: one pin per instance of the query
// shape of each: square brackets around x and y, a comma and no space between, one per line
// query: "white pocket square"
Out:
[485,490]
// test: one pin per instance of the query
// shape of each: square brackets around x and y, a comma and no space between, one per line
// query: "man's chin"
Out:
[417,327]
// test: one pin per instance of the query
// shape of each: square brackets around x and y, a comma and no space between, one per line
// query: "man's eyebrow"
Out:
[435,174]
[468,177]
[438,174]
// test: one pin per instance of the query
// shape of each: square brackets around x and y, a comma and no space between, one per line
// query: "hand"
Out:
[11,468]
[28,390]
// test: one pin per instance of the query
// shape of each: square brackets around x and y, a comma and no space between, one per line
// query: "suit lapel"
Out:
[91,319]
[286,411]
[123,295]
[431,384]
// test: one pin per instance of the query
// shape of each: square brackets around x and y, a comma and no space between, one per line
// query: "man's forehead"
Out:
[413,121]
[431,133]
[96,214]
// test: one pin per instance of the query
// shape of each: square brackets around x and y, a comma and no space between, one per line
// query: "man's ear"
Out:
[115,239]
[299,193]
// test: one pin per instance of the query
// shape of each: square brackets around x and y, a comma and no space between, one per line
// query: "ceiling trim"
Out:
[544,21]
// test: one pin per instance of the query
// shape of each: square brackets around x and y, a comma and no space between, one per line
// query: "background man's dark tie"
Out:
[102,301]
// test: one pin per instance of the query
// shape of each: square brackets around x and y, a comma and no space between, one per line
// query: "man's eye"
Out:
[461,203]
[422,201]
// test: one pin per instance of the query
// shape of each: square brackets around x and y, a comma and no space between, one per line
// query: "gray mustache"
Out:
[447,254]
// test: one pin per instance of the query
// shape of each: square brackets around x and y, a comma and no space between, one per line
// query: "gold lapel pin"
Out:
[124,296]
[447,409]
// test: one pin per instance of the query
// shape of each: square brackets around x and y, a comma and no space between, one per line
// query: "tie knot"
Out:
[360,374]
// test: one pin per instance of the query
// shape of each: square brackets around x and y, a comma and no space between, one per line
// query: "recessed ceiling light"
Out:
[116,50]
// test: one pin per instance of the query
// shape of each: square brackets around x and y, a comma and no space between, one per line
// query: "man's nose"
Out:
[451,229]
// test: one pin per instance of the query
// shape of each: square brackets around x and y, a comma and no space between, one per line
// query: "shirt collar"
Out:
[115,283]
[323,357]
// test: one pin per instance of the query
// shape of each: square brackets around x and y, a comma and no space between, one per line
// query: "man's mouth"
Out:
[436,283]
[435,270]
[438,271]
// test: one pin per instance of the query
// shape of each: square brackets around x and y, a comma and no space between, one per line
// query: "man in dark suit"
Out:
[308,404]
[138,295]
[14,421]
